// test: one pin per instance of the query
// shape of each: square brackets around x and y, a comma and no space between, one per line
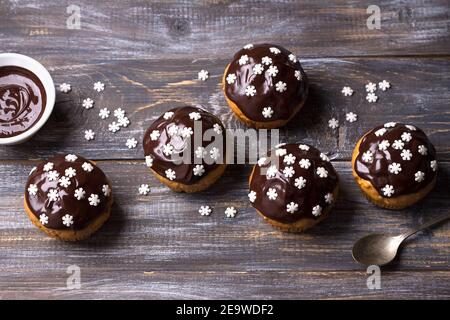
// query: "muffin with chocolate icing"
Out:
[294,187]
[185,149]
[68,197]
[265,85]
[395,165]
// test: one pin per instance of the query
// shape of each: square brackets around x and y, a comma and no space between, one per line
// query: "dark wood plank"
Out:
[213,28]
[146,88]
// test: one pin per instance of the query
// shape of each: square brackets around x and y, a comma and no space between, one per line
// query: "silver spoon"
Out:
[380,249]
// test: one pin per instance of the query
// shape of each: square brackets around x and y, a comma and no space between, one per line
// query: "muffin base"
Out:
[72,235]
[252,123]
[201,185]
[299,225]
[394,203]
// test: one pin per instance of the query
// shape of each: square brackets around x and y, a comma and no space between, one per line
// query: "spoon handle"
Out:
[427,225]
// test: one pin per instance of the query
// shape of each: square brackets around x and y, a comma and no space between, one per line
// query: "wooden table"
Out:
[158,246]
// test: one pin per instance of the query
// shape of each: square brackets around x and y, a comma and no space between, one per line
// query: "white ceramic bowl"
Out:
[19,60]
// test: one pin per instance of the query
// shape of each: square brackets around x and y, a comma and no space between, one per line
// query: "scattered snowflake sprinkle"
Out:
[406,136]
[230,212]
[272,171]
[200,152]
[88,103]
[300,182]
[303,147]
[67,220]
[280,152]
[231,78]
[317,211]
[292,207]
[351,117]
[144,189]
[65,87]
[243,60]
[214,153]
[406,154]
[289,172]
[419,176]
[262,161]
[170,174]
[119,113]
[433,165]
[272,71]
[367,157]
[94,200]
[395,168]
[198,170]
[148,161]
[329,198]
[64,181]
[48,166]
[384,85]
[89,135]
[322,172]
[167,149]
[52,175]
[281,86]
[388,190]
[173,130]
[422,150]
[123,122]
[333,123]
[106,189]
[250,91]
[398,145]
[52,195]
[204,210]
[293,58]
[104,113]
[131,143]
[154,135]
[203,75]
[289,159]
[272,194]
[304,163]
[87,167]
[371,87]
[43,219]
[371,97]
[390,124]
[347,91]
[99,86]
[248,46]
[32,189]
[298,75]
[79,193]
[380,132]
[266,60]
[275,50]
[258,68]
[217,128]
[252,196]
[383,145]
[186,132]
[114,127]
[195,116]
[168,115]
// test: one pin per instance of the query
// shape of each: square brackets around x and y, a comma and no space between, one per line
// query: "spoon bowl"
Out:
[376,249]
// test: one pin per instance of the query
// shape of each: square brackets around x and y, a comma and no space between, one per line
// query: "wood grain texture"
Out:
[148,54]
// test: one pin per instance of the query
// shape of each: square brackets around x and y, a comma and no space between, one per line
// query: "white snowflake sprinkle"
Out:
[198,170]
[333,123]
[322,172]
[384,85]
[99,86]
[173,130]
[168,115]
[250,91]
[371,97]
[351,117]
[422,150]
[406,154]
[367,157]
[114,127]
[204,210]
[266,60]
[262,161]
[395,168]
[252,196]
[214,153]
[71,158]
[388,190]
[144,189]
[248,46]
[119,113]
[280,152]
[275,50]
[390,124]
[281,86]
[371,87]
[380,132]
[195,116]
[43,219]
[258,68]
[106,189]
[48,166]
[94,200]
[303,147]
[298,75]
[65,87]
[186,132]
[131,143]
[154,135]
[383,145]
[289,159]
[88,103]
[231,78]
[104,113]
[272,194]
[293,58]
[272,71]
[304,163]
[148,161]
[200,152]
[433,165]
[52,175]
[64,182]
[300,182]
[289,172]
[79,193]
[230,212]
[292,207]
[347,91]
[52,195]
[243,60]
[398,144]
[123,122]
[419,176]
[67,220]
[32,189]
[87,167]
[167,149]
[170,174]
[317,211]
[89,135]
[329,198]
[406,136]
[272,171]
[203,75]
[217,128]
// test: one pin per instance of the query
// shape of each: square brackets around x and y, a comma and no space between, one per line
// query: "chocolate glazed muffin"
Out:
[395,165]
[176,153]
[265,85]
[297,193]
[68,197]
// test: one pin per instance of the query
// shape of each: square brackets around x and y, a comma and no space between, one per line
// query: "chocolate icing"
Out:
[183,171]
[82,212]
[22,100]
[377,172]
[311,195]
[284,103]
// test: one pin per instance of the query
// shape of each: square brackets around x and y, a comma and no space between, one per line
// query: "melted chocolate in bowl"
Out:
[22,100]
